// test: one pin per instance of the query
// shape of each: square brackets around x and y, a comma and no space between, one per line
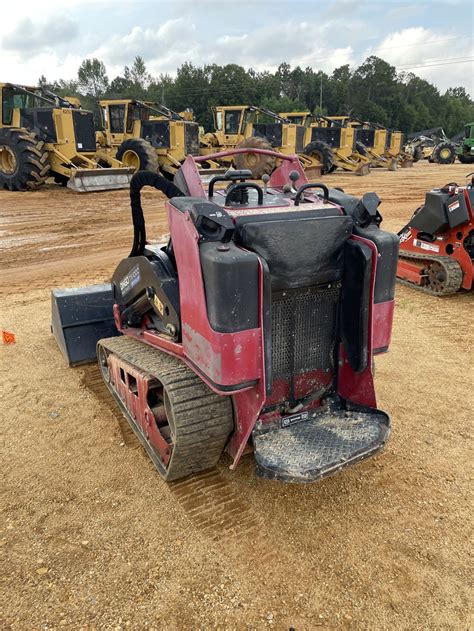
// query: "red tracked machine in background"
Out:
[437,244]
[255,325]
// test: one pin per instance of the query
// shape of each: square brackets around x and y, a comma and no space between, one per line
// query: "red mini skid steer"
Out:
[254,326]
[437,244]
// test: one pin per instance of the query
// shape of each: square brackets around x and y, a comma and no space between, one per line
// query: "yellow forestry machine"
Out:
[331,142]
[44,135]
[147,136]
[240,127]
[382,145]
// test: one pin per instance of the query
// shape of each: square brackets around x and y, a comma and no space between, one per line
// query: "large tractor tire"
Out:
[256,162]
[417,154]
[138,154]
[24,161]
[361,148]
[444,153]
[322,152]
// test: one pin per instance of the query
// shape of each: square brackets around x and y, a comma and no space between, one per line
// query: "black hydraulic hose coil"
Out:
[138,181]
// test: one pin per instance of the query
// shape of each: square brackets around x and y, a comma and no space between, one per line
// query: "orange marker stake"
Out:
[8,337]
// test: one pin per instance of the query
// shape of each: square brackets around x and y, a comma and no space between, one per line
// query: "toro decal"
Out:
[129,281]
[405,236]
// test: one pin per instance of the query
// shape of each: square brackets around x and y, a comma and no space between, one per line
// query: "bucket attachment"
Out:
[79,318]
[309,446]
[90,180]
[406,163]
[363,169]
[393,164]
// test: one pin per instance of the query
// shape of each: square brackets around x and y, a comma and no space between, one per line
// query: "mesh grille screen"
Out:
[191,138]
[300,134]
[84,130]
[329,135]
[303,330]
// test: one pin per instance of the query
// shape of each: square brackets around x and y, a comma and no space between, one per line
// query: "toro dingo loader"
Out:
[252,327]
[437,244]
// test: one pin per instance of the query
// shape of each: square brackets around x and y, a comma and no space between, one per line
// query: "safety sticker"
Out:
[294,418]
[158,304]
[425,246]
[453,206]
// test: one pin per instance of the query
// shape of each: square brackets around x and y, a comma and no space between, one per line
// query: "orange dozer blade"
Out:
[90,180]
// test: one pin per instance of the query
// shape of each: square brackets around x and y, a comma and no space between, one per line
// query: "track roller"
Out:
[181,423]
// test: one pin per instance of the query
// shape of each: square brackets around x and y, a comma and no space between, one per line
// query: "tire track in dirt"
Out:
[210,502]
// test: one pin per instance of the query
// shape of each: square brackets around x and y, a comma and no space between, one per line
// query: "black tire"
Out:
[24,161]
[138,154]
[257,163]
[322,152]
[466,159]
[361,148]
[444,153]
[417,154]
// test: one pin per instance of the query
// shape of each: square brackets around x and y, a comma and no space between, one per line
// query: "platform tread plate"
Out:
[313,449]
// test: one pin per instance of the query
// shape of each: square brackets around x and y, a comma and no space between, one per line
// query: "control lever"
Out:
[265,180]
[294,177]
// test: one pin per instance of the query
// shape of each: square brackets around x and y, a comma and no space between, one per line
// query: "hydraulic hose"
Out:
[138,181]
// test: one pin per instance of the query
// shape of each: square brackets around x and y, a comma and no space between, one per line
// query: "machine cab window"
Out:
[117,118]
[232,121]
[218,121]
[135,113]
[12,99]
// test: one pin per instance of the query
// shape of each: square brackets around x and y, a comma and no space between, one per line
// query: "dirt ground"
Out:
[93,539]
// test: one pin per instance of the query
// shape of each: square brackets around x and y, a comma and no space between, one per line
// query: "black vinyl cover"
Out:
[355,303]
[299,252]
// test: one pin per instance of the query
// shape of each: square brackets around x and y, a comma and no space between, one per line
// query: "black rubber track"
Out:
[323,152]
[202,419]
[451,267]
[146,154]
[32,168]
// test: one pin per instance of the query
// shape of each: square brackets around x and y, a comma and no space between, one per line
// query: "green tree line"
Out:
[374,91]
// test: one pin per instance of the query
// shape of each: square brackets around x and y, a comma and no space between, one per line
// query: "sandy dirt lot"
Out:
[93,539]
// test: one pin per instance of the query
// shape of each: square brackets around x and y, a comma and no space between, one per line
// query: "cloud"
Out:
[297,42]
[28,38]
[260,35]
[406,11]
[434,56]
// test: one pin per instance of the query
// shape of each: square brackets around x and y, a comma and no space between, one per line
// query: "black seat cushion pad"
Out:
[299,252]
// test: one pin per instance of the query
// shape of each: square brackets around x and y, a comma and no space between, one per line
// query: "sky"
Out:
[432,38]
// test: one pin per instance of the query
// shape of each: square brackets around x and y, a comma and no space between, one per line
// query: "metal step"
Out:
[309,446]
